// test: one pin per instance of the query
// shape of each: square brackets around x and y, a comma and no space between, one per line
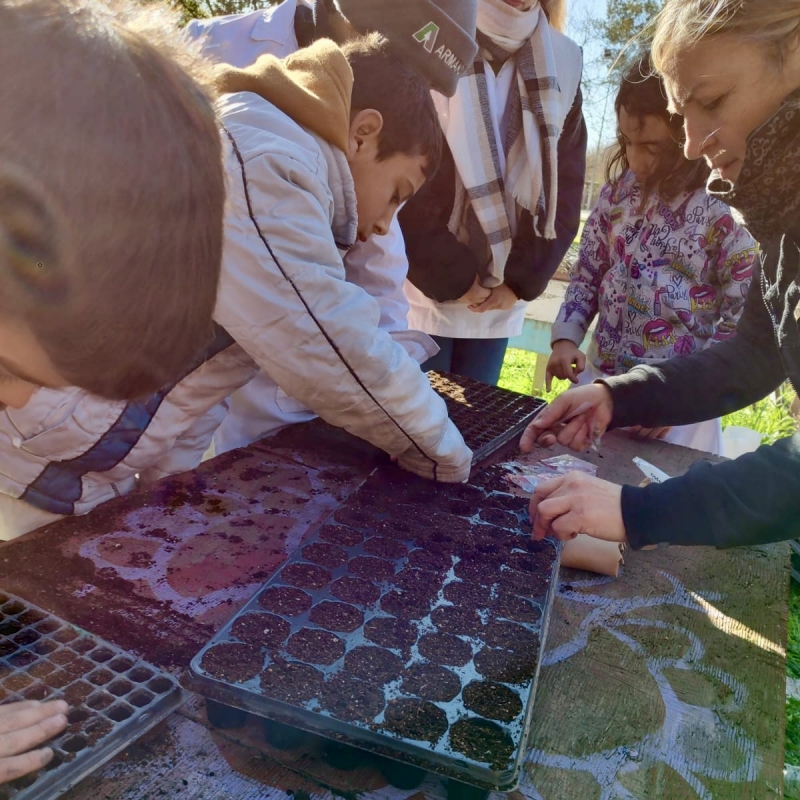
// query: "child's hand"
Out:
[476,294]
[566,362]
[501,298]
[24,726]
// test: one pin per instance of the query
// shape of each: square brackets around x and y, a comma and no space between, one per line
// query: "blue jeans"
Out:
[480,359]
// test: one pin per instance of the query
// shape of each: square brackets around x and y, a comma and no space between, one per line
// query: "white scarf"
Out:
[532,140]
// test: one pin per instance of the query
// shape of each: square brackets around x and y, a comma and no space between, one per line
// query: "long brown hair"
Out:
[641,94]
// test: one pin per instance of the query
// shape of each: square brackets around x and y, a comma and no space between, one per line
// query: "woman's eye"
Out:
[713,104]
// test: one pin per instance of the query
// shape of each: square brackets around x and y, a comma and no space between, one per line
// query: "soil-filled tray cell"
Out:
[234,663]
[48,659]
[415,619]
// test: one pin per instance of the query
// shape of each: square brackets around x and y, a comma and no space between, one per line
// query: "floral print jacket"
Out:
[663,282]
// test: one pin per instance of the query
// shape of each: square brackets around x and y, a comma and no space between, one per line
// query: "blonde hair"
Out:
[111,191]
[681,24]
[556,11]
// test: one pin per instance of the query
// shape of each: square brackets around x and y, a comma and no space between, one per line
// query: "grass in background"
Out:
[771,417]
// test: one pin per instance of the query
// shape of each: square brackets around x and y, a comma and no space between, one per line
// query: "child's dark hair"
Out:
[641,94]
[384,81]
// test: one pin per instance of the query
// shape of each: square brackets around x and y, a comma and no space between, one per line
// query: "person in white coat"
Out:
[437,36]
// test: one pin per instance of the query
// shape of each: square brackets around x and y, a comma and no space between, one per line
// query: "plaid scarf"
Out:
[531,144]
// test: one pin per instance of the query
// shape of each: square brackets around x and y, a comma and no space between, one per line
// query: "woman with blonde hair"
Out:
[742,115]
[487,233]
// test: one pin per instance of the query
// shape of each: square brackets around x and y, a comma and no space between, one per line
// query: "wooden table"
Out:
[667,682]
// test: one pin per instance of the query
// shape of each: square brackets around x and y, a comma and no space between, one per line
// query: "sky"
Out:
[598,101]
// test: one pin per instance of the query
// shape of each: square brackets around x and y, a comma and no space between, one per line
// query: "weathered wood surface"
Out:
[665,683]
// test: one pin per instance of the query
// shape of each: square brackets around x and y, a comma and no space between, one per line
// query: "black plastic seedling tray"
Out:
[114,697]
[411,626]
[487,416]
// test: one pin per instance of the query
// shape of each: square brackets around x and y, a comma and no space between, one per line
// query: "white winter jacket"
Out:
[378,265]
[285,299]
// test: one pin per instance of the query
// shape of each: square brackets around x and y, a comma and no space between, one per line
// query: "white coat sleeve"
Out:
[284,298]
[380,266]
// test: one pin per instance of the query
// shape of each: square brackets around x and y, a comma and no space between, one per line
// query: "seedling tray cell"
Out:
[487,416]
[408,625]
[114,697]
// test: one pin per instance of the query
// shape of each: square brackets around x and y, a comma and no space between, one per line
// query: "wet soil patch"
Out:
[482,741]
[456,619]
[392,632]
[431,682]
[315,646]
[492,700]
[415,719]
[443,648]
[336,616]
[233,663]
[290,682]
[264,630]
[350,700]
[373,665]
[285,600]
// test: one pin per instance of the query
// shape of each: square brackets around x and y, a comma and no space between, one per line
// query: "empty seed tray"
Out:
[114,697]
[487,416]
[411,625]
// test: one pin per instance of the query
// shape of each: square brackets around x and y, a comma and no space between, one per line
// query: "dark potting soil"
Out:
[431,682]
[341,535]
[504,666]
[290,682]
[233,663]
[443,648]
[264,630]
[492,700]
[415,719]
[355,590]
[355,516]
[350,700]
[517,609]
[373,665]
[509,636]
[306,576]
[407,605]
[336,616]
[469,595]
[421,582]
[285,600]
[315,646]
[385,547]
[374,569]
[457,619]
[483,741]
[514,581]
[325,554]
[392,632]
[500,517]
[429,560]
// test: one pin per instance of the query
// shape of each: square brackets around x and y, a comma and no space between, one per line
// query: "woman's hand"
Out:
[577,503]
[565,362]
[501,298]
[574,419]
[477,294]
[24,726]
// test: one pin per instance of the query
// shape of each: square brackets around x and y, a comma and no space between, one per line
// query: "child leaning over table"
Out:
[318,154]
[111,201]
[662,265]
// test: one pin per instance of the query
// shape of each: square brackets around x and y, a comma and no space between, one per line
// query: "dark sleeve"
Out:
[707,384]
[534,260]
[752,500]
[440,266]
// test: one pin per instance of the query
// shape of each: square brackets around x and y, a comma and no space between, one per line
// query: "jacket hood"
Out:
[312,86]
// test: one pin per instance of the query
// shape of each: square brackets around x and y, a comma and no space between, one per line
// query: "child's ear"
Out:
[29,246]
[365,129]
